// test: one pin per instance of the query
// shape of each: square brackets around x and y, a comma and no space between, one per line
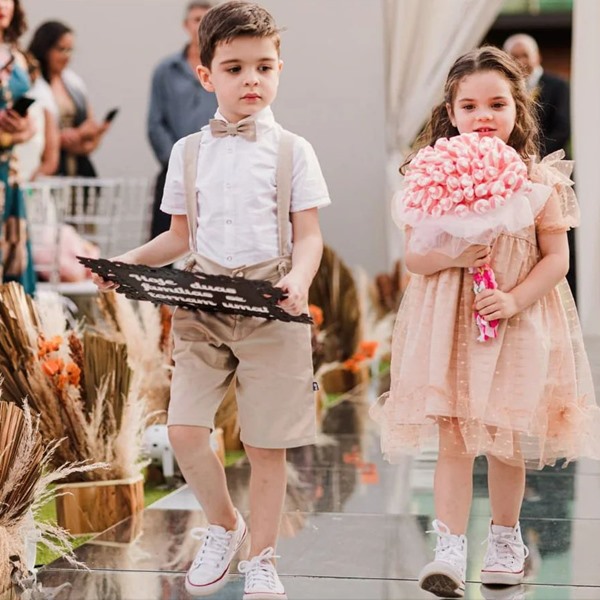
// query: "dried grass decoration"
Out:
[145,330]
[334,291]
[79,384]
[25,480]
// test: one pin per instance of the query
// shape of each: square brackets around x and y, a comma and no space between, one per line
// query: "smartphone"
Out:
[22,104]
[110,115]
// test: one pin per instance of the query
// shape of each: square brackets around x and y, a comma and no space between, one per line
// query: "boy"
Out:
[236,181]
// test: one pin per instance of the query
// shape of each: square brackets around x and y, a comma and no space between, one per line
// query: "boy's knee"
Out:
[265,455]
[186,437]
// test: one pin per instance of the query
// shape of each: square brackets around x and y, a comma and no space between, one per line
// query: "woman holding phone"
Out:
[52,45]
[15,128]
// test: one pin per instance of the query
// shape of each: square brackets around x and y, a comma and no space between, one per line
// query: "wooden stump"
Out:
[94,506]
[340,380]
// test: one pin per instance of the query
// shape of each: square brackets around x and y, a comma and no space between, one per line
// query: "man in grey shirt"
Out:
[179,105]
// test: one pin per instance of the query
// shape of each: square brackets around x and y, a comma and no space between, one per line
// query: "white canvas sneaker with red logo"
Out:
[445,575]
[262,581]
[208,572]
[504,561]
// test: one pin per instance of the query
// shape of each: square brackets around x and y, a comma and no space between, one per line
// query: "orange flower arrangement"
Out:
[317,315]
[366,350]
[62,374]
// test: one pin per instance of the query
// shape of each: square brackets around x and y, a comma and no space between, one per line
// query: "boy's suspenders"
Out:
[283,182]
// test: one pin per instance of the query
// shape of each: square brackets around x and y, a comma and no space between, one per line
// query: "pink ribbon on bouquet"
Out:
[484,279]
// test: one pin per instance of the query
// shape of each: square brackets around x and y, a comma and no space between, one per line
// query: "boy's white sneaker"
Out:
[445,576]
[504,561]
[211,565]
[262,581]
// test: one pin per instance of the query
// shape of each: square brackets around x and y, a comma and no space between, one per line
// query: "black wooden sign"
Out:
[195,290]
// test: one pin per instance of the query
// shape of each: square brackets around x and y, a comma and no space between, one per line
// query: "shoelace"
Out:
[504,548]
[214,547]
[449,547]
[260,570]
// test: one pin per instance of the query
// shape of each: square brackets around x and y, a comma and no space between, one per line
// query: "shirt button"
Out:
[229,150]
[227,185]
[229,221]
[230,258]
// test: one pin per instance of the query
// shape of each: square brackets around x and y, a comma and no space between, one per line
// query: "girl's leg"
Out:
[504,560]
[506,483]
[268,480]
[204,473]
[453,483]
[453,490]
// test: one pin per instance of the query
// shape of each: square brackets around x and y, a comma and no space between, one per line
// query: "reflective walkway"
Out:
[355,528]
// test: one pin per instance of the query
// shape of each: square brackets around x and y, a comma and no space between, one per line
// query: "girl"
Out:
[526,395]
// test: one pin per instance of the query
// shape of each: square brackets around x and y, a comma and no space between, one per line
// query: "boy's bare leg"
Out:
[453,483]
[506,483]
[268,480]
[204,473]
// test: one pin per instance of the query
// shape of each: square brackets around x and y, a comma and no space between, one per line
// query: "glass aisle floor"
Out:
[355,528]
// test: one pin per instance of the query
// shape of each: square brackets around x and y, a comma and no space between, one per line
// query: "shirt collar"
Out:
[264,120]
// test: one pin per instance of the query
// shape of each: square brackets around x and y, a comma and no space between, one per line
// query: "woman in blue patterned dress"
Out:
[15,250]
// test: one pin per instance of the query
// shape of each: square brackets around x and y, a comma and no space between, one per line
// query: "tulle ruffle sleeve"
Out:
[561,211]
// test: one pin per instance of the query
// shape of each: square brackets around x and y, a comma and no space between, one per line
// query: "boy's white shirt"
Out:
[237,196]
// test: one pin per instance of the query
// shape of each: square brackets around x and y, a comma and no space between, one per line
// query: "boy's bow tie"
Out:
[245,128]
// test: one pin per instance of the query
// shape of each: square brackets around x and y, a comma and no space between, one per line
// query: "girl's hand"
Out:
[473,256]
[297,294]
[495,304]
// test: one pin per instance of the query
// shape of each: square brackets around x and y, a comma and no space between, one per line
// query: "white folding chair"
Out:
[45,205]
[134,214]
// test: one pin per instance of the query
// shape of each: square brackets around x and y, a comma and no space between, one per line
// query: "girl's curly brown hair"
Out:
[524,137]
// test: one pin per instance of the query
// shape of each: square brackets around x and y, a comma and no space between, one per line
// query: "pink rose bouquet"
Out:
[467,190]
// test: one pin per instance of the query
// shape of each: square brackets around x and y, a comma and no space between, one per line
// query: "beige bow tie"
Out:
[245,128]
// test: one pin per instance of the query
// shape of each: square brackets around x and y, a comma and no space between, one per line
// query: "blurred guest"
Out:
[52,45]
[39,156]
[15,250]
[553,97]
[550,91]
[179,105]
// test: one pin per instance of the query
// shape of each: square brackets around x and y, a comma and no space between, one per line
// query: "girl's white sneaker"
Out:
[445,576]
[504,561]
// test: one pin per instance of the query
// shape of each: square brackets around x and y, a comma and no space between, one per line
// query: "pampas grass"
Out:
[79,383]
[145,330]
[26,478]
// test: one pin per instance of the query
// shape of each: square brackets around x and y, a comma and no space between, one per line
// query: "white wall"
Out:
[332,93]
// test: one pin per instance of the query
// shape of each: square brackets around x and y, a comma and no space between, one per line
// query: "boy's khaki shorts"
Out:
[272,362]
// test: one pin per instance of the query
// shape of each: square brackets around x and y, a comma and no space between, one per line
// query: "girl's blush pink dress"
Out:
[526,394]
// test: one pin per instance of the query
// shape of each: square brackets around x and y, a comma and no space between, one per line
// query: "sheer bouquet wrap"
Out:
[467,190]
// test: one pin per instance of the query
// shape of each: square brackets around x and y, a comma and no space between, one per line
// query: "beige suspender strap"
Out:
[285,169]
[284,186]
[190,172]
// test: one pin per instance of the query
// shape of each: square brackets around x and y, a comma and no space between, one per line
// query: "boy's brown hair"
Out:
[229,20]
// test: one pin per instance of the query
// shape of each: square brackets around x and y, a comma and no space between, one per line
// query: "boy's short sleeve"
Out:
[173,200]
[309,189]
